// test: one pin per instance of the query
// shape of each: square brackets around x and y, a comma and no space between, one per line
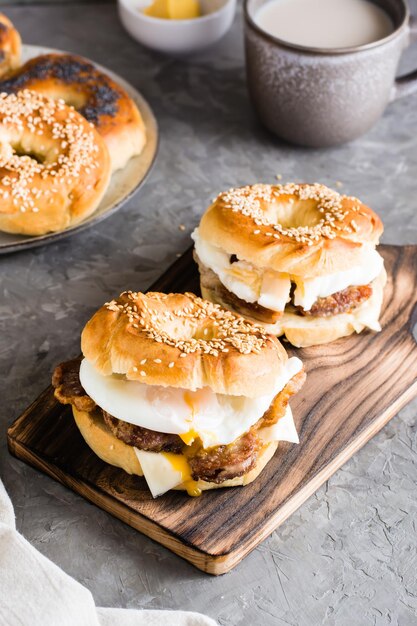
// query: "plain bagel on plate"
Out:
[92,93]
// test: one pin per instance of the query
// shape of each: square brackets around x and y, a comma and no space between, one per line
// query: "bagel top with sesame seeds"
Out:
[181,340]
[93,93]
[302,229]
[54,166]
[10,46]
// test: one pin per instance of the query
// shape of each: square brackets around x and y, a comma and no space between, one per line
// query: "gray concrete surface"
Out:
[348,555]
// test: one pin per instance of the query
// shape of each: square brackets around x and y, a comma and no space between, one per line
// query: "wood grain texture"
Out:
[354,386]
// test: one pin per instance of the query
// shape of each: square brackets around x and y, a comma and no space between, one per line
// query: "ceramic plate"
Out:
[123,183]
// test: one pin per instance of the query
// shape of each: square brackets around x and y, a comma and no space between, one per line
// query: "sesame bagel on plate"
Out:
[54,166]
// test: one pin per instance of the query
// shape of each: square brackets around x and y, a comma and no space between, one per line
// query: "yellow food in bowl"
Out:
[174,9]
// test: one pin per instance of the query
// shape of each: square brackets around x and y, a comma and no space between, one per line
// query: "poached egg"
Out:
[217,419]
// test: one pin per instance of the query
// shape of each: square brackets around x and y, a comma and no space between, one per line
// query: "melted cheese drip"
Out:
[272,289]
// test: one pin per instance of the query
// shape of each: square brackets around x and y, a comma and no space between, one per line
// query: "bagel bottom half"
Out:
[115,452]
[302,331]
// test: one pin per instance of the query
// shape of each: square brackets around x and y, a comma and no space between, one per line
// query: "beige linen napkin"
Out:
[36,592]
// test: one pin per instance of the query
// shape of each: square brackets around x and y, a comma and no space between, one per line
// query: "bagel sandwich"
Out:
[300,259]
[181,391]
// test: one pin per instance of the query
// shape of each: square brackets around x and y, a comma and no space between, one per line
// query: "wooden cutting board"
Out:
[354,386]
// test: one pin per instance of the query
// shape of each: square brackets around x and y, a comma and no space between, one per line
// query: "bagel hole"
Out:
[76,100]
[178,330]
[20,151]
[291,213]
[182,331]
[207,333]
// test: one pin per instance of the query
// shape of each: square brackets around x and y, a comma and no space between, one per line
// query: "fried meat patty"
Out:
[68,388]
[339,302]
[221,463]
[143,438]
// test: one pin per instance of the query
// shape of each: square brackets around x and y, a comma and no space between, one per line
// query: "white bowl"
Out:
[177,36]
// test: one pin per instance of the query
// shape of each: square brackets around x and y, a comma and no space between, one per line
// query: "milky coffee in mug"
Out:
[324,23]
[321,72]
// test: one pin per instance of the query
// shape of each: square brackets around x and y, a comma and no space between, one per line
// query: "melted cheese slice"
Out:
[218,419]
[164,471]
[272,289]
[275,290]
[283,430]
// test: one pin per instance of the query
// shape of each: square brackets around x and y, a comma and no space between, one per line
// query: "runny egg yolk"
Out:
[180,464]
[189,401]
[189,436]
[192,488]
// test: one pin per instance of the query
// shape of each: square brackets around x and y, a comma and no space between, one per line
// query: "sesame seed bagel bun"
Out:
[10,46]
[180,340]
[304,230]
[99,99]
[54,166]
[115,452]
[303,332]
